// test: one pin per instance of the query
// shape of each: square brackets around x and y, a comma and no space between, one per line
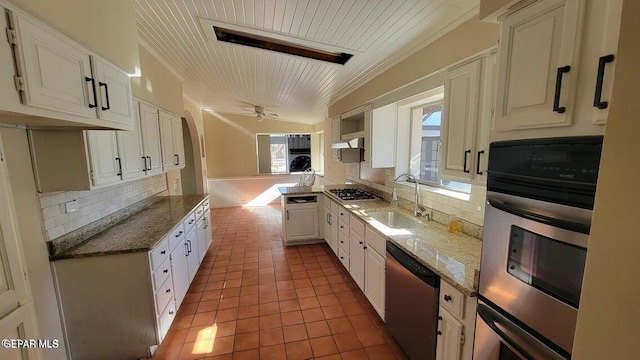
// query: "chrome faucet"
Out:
[417,209]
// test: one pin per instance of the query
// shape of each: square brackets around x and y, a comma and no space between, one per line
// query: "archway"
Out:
[193,177]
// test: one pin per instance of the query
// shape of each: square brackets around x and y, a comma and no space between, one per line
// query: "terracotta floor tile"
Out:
[288,294]
[247,325]
[186,309]
[268,297]
[309,303]
[361,322]
[340,287]
[249,289]
[299,275]
[333,311]
[317,329]
[302,283]
[285,285]
[299,350]
[329,357]
[269,308]
[294,333]
[227,315]
[228,302]
[199,333]
[247,341]
[223,345]
[249,311]
[271,337]
[353,308]
[328,299]
[305,292]
[175,337]
[182,321]
[211,295]
[315,273]
[380,352]
[319,281]
[358,354]
[168,352]
[206,306]
[340,325]
[323,346]
[197,350]
[270,321]
[204,318]
[276,352]
[250,281]
[192,297]
[253,354]
[347,341]
[252,299]
[292,318]
[311,315]
[225,329]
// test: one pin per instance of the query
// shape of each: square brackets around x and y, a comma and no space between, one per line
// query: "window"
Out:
[426,121]
[283,153]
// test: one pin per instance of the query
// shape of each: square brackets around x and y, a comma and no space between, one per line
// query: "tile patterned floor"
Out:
[253,298]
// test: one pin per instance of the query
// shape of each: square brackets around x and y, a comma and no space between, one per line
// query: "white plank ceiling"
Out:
[226,77]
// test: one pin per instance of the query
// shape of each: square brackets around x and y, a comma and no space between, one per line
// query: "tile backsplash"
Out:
[471,210]
[94,204]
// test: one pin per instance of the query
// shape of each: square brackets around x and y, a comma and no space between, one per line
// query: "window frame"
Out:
[287,163]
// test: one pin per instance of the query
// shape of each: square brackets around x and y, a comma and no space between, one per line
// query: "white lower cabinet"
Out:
[142,290]
[356,259]
[456,324]
[300,218]
[21,324]
[374,279]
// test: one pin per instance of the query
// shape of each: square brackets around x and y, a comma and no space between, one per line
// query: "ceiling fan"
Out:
[261,112]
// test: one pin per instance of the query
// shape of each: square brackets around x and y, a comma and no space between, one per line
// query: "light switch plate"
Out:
[71,206]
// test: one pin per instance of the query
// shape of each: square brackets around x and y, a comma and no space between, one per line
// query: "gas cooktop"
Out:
[353,194]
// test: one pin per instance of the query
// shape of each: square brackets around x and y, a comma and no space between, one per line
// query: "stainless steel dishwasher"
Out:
[411,304]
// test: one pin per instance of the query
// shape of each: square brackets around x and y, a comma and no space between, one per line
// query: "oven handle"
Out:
[551,221]
[493,319]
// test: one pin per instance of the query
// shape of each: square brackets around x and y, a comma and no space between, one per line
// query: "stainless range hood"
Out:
[351,151]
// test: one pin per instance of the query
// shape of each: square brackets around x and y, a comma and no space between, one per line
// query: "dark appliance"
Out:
[352,194]
[540,195]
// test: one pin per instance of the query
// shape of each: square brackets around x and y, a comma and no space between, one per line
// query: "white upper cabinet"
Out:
[59,82]
[114,92]
[538,65]
[380,152]
[130,150]
[461,94]
[335,137]
[106,165]
[55,72]
[172,142]
[152,148]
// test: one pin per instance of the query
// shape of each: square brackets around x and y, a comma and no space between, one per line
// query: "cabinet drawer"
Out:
[199,211]
[176,237]
[189,221]
[343,226]
[356,225]
[206,206]
[375,240]
[164,295]
[343,214]
[344,258]
[166,319]
[161,275]
[451,299]
[343,242]
[159,255]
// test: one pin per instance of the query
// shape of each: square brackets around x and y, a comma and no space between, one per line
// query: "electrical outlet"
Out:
[71,206]
[479,208]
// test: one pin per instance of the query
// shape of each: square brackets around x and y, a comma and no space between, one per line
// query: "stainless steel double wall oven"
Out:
[540,197]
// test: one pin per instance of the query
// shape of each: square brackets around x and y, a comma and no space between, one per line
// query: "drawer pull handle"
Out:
[439,332]
[165,271]
[179,233]
[439,317]
[93,88]
[447,298]
[478,172]
[364,247]
[163,252]
[144,158]
[361,242]
[106,94]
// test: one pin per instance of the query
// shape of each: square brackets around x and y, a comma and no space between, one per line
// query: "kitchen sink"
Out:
[394,220]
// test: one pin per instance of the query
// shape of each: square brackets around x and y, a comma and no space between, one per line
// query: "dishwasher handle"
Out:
[413,266]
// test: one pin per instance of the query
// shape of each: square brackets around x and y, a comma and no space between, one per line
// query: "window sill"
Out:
[437,190]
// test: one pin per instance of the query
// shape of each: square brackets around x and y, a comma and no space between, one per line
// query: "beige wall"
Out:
[193,114]
[158,85]
[462,42]
[489,9]
[33,239]
[107,28]
[334,171]
[231,142]
[609,317]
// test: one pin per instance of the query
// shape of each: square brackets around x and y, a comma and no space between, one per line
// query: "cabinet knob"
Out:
[341,242]
[165,271]
[447,298]
[341,257]
[439,332]
[170,312]
[341,213]
[361,242]
[168,291]
[439,317]
[341,227]
[179,233]
[163,252]
[364,247]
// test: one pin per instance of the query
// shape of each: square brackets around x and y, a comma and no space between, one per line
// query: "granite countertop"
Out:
[454,257]
[139,232]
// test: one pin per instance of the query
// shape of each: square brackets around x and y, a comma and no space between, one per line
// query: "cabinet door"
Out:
[180,272]
[335,137]
[150,126]
[114,93]
[20,324]
[601,30]
[166,139]
[382,143]
[130,150]
[374,279]
[13,285]
[334,232]
[302,222]
[193,255]
[485,117]
[202,238]
[208,230]
[178,142]
[536,44]
[327,225]
[356,255]
[459,119]
[103,155]
[54,70]
[448,345]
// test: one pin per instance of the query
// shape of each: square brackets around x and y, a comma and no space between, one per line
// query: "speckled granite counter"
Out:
[138,232]
[454,257]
